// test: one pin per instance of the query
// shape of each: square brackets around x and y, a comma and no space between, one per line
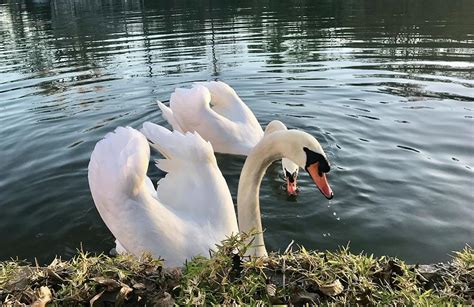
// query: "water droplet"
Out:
[334,213]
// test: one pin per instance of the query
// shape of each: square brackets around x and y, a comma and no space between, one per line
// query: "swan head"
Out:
[290,169]
[306,152]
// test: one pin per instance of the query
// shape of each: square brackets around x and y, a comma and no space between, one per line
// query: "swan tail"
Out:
[118,164]
[169,116]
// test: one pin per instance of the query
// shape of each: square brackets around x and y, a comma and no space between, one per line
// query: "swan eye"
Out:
[314,157]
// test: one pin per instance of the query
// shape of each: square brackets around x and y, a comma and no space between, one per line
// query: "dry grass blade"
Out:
[296,277]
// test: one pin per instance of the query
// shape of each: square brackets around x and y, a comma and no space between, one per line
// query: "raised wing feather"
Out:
[193,184]
[169,116]
[119,162]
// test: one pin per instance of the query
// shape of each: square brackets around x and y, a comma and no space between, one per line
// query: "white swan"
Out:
[217,113]
[189,212]
[192,209]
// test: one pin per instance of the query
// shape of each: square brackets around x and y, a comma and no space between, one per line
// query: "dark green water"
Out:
[386,86]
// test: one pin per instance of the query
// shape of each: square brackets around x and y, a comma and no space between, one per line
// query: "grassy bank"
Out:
[297,276]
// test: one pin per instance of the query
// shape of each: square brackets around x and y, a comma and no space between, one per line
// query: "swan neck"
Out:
[248,204]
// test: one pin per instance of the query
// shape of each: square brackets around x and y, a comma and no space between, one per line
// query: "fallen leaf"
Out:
[124,294]
[332,289]
[43,295]
[271,290]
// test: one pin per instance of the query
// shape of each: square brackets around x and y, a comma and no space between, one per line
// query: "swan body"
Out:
[217,113]
[191,211]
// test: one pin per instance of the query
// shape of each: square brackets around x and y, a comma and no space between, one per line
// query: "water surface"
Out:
[386,87]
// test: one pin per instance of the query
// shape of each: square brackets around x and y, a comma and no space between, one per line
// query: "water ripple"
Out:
[387,92]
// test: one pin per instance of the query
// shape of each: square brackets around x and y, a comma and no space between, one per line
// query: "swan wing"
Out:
[169,116]
[193,187]
[118,183]
[227,103]
[140,222]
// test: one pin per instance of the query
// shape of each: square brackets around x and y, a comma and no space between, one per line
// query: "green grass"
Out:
[296,277]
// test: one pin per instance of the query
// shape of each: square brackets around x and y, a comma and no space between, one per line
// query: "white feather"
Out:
[217,113]
[228,124]
[164,226]
[287,165]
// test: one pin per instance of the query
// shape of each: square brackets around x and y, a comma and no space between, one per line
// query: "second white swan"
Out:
[217,113]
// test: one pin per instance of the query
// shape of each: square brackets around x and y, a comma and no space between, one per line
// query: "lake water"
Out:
[386,87]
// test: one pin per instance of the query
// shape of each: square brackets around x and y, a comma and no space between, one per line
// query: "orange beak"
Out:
[320,180]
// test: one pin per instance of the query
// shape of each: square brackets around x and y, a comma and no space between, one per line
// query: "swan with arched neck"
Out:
[191,210]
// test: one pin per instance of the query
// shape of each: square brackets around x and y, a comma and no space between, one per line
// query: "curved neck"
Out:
[248,204]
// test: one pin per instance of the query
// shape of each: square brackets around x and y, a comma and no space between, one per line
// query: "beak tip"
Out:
[292,192]
[291,187]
